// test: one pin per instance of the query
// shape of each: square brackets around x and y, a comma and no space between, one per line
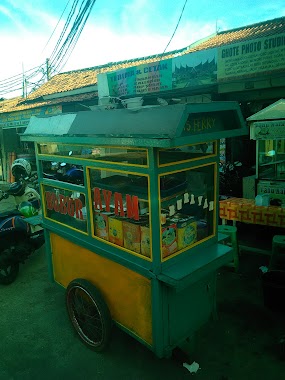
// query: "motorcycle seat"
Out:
[8,214]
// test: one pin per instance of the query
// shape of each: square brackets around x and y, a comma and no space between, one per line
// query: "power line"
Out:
[75,34]
[70,41]
[56,26]
[79,12]
[69,17]
[175,27]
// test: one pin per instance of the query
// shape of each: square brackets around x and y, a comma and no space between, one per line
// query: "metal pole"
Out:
[47,69]
[24,80]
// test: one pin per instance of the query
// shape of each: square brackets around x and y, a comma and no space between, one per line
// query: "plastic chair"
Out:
[231,232]
[278,242]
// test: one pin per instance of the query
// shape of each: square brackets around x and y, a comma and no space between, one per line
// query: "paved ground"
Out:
[38,343]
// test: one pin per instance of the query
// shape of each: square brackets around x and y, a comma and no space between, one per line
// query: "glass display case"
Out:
[271,159]
[120,199]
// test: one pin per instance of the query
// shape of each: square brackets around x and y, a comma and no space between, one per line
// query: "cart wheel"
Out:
[89,314]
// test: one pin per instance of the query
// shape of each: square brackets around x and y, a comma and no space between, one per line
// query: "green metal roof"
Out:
[146,126]
[275,111]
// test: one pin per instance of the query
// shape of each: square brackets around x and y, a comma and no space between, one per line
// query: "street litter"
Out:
[263,269]
[192,368]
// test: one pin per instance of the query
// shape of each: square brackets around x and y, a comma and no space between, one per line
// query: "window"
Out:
[64,172]
[187,208]
[134,156]
[186,153]
[65,207]
[271,159]
[120,208]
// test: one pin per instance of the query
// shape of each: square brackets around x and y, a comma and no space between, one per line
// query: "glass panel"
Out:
[64,172]
[271,159]
[108,154]
[187,205]
[66,207]
[121,209]
[186,152]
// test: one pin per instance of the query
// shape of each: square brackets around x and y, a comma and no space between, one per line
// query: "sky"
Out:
[116,30]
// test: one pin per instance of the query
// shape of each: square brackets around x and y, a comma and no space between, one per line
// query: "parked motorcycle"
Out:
[64,172]
[20,229]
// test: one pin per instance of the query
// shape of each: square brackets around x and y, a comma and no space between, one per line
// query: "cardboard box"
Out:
[169,239]
[145,240]
[186,234]
[132,236]
[248,187]
[116,230]
[101,224]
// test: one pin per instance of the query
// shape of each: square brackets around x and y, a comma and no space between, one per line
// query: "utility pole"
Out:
[47,69]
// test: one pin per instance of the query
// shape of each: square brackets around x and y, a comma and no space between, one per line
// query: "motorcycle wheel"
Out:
[8,273]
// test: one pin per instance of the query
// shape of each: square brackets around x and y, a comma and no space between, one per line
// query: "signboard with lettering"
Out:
[22,118]
[142,79]
[209,122]
[251,58]
[189,70]
[267,130]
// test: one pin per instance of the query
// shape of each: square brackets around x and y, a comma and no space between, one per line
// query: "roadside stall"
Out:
[267,127]
[130,212]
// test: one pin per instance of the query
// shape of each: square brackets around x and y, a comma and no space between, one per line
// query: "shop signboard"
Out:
[189,70]
[21,118]
[195,69]
[142,79]
[200,123]
[267,130]
[251,58]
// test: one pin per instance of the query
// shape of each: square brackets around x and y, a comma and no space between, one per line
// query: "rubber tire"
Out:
[95,296]
[11,277]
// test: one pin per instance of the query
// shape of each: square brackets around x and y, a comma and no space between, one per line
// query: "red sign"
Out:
[64,205]
[102,201]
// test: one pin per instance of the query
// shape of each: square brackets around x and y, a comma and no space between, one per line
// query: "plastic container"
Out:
[262,200]
[273,283]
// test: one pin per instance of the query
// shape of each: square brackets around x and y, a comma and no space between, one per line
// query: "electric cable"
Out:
[74,39]
[79,12]
[72,33]
[69,17]
[175,27]
[56,26]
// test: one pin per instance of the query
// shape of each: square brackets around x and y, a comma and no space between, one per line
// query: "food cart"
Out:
[133,235]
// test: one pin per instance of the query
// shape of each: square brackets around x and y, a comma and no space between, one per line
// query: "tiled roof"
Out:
[250,32]
[7,104]
[85,78]
[17,104]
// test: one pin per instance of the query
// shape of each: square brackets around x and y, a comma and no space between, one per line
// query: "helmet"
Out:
[17,188]
[21,168]
[27,209]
